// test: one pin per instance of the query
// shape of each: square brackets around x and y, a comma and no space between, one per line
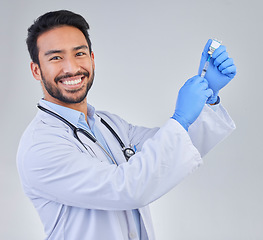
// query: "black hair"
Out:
[52,20]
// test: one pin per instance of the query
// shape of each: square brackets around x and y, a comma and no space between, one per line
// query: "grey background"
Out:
[144,52]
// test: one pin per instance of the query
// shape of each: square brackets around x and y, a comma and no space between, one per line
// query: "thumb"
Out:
[204,56]
[205,51]
[206,48]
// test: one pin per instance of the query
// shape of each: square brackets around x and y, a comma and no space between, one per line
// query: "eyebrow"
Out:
[50,52]
[53,52]
[81,47]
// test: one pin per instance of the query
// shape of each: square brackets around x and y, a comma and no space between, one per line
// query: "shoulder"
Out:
[111,118]
[41,129]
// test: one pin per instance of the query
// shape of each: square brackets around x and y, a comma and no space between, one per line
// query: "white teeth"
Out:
[73,82]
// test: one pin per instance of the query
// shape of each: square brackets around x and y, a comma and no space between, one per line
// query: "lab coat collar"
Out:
[71,115]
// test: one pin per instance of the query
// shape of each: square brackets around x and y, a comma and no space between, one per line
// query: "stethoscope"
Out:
[127,151]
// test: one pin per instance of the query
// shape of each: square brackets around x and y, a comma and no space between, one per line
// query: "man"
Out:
[80,181]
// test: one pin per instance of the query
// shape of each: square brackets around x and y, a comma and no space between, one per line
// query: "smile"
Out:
[74,81]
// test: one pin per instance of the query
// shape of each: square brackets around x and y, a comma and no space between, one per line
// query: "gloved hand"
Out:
[191,100]
[221,69]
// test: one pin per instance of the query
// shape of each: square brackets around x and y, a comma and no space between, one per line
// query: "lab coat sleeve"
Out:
[134,135]
[212,126]
[52,167]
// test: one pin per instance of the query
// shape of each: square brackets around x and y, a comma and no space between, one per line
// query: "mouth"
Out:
[72,82]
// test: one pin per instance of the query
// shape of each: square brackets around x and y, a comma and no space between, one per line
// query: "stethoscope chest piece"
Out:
[128,152]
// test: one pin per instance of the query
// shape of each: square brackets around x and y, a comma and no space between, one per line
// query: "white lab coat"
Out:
[80,195]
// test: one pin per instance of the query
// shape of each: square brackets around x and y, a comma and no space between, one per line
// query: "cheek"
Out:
[50,72]
[86,64]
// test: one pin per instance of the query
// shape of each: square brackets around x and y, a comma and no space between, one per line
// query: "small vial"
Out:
[214,45]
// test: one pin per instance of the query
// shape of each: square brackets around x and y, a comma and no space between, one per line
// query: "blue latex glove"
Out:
[221,69]
[191,100]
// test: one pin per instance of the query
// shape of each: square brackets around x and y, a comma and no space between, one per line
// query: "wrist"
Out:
[181,120]
[216,102]
[214,99]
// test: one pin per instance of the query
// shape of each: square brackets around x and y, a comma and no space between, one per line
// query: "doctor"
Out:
[84,189]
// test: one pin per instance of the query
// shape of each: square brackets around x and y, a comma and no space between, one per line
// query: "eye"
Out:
[55,58]
[80,54]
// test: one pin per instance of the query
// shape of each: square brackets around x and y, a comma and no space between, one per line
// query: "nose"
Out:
[70,65]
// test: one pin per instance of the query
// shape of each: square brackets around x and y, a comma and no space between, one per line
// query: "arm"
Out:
[136,135]
[55,169]
[210,128]
[214,124]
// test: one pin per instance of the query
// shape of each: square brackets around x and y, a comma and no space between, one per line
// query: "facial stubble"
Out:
[57,94]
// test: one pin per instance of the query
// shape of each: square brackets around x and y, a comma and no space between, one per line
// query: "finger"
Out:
[230,71]
[231,75]
[219,51]
[208,92]
[191,80]
[197,79]
[206,48]
[201,82]
[220,58]
[204,81]
[227,63]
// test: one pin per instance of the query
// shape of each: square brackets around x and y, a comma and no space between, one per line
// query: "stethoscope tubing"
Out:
[87,134]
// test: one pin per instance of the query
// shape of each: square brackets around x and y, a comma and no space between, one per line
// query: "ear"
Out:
[92,59]
[36,72]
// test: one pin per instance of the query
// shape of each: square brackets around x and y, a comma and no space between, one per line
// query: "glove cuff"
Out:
[181,120]
[214,101]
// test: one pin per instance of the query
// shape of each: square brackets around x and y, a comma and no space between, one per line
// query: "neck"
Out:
[81,107]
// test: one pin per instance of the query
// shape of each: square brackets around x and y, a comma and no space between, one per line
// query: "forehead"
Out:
[60,38]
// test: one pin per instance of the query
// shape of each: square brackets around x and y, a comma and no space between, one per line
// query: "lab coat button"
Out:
[132,235]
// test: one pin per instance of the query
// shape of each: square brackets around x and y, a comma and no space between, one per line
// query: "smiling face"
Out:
[66,67]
